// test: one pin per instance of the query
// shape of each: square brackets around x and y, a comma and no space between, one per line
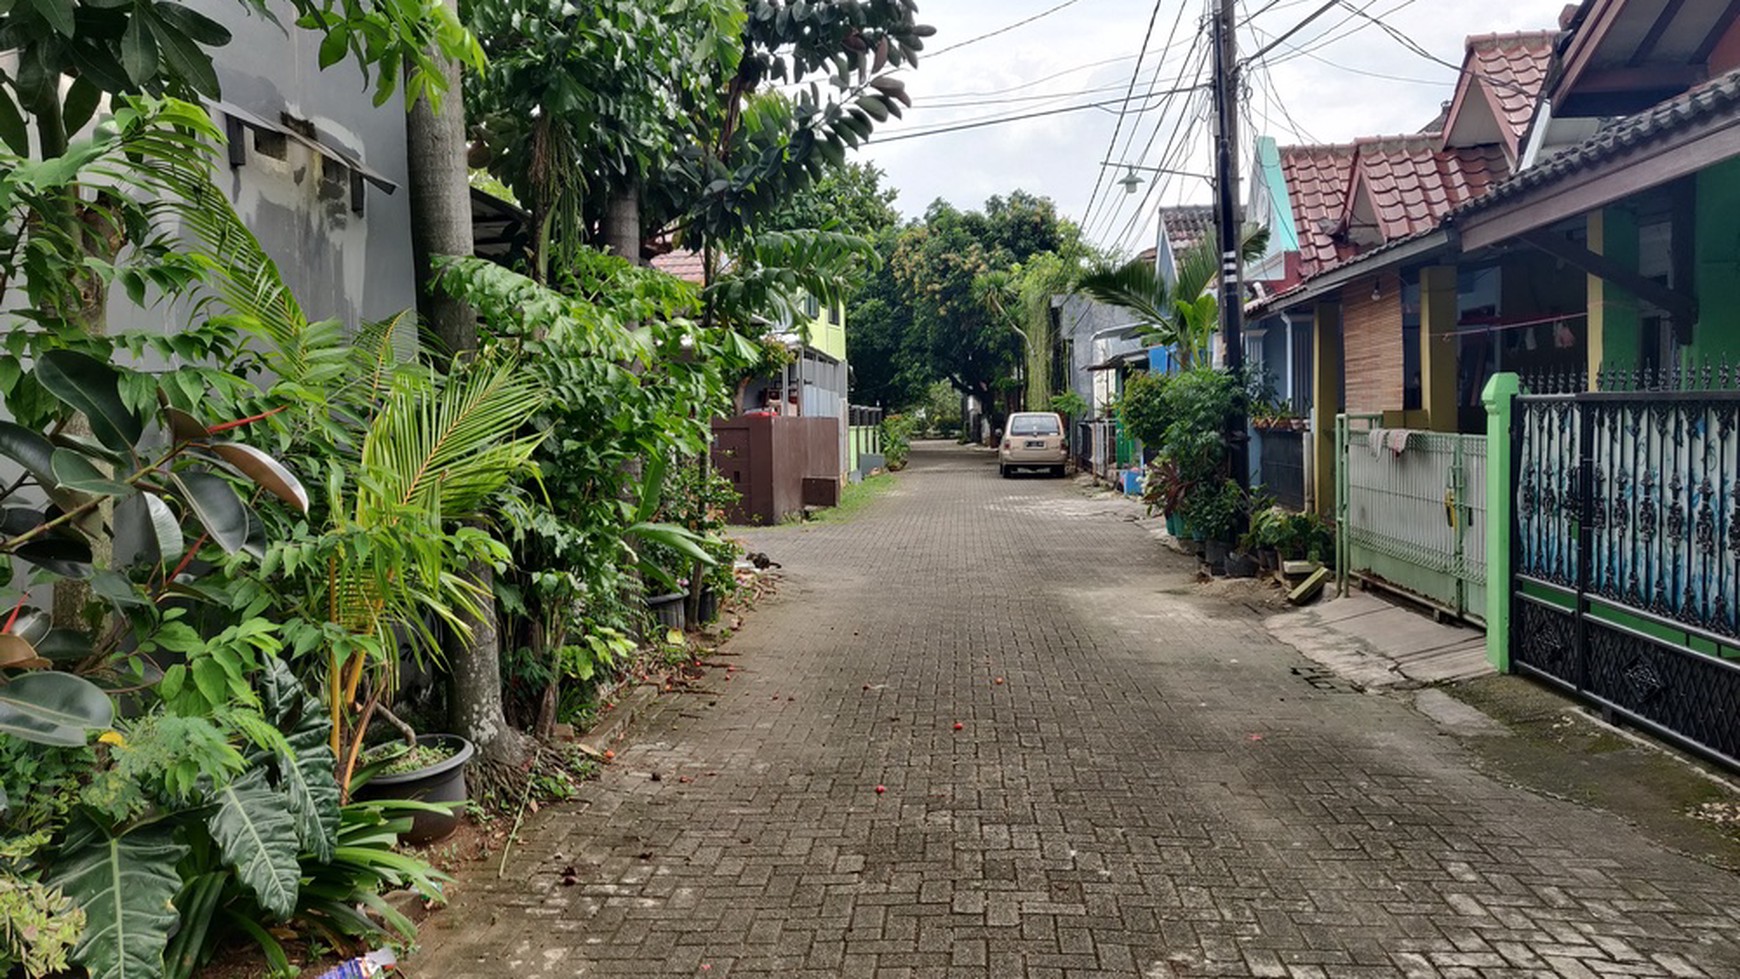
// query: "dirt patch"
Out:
[1261,594]
[1560,751]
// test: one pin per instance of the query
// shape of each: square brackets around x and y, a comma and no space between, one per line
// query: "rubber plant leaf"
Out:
[87,384]
[35,454]
[268,472]
[16,653]
[220,511]
[72,471]
[54,708]
[257,836]
[126,886]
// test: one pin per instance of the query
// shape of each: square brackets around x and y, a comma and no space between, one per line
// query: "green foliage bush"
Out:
[897,432]
[1069,405]
[1143,408]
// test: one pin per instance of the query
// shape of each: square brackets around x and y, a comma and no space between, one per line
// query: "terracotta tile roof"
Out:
[685,265]
[1187,224]
[1402,185]
[1317,179]
[1506,73]
[1717,99]
[1707,105]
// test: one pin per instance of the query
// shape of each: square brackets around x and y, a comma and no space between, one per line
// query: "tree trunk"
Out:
[441,225]
[441,208]
[620,233]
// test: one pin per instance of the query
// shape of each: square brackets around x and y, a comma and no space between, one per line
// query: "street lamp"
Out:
[1131,182]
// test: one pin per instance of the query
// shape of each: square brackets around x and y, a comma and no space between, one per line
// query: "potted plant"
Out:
[430,768]
[1214,512]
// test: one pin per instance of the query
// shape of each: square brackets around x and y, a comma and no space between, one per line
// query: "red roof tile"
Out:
[1503,74]
[1402,185]
[1317,179]
[685,265]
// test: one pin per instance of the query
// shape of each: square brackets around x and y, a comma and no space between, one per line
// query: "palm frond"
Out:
[1136,286]
[442,449]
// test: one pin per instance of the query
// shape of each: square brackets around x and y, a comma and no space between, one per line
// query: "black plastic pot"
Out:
[1240,564]
[443,781]
[709,610]
[669,610]
[1214,552]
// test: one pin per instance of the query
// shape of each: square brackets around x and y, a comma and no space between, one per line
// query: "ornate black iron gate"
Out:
[1626,554]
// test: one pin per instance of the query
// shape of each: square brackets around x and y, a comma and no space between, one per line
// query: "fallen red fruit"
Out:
[609,755]
[959,726]
[998,681]
[881,789]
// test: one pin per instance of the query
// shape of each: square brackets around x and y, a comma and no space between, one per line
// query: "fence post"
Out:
[1500,398]
[1342,546]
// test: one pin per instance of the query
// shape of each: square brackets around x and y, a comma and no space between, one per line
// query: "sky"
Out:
[1339,77]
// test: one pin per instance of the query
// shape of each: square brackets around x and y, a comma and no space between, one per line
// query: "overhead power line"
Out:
[1001,120]
[1004,29]
[1296,28]
[1111,147]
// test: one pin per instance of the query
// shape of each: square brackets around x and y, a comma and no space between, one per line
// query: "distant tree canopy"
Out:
[849,199]
[949,324]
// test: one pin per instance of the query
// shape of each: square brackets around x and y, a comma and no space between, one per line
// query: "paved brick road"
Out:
[1151,792]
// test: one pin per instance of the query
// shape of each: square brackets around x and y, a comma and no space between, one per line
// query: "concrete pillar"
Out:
[1498,396]
[1438,347]
[1615,333]
[1326,370]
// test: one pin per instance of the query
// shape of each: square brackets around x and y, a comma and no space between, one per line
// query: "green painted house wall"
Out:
[1717,272]
[829,337]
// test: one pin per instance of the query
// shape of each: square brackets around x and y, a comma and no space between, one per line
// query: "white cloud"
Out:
[1059,156]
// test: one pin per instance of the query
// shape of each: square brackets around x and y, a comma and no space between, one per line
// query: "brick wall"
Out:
[1372,346]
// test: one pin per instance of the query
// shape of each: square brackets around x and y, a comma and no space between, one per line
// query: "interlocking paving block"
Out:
[1156,788]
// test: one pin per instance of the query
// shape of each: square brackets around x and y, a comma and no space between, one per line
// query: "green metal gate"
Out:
[1411,512]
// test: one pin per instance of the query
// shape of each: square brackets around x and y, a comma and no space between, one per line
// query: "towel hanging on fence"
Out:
[1393,439]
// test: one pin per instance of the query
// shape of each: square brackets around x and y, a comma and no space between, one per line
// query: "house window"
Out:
[834,314]
[812,308]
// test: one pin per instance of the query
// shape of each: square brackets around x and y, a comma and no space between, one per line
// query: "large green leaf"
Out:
[308,779]
[257,835]
[93,387]
[75,472]
[53,708]
[126,886]
[30,450]
[220,511]
[272,475]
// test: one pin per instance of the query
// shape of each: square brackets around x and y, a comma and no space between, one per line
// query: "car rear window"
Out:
[1034,425]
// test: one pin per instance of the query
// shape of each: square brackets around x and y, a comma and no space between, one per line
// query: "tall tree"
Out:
[940,264]
[441,226]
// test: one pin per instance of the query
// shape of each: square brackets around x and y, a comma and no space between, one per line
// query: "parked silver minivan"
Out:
[1033,440]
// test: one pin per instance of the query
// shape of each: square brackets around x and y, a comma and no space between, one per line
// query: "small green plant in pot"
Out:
[1214,511]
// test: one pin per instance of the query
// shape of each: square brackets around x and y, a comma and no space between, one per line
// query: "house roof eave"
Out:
[1427,244]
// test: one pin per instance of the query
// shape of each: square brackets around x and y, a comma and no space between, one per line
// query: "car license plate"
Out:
[1036,445]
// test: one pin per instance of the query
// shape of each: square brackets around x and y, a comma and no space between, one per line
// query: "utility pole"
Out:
[1226,183]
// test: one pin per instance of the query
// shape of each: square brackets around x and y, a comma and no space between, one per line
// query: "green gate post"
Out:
[1343,548]
[1499,396]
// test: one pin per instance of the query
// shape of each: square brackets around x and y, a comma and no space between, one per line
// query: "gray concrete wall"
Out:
[338,264]
[1089,331]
